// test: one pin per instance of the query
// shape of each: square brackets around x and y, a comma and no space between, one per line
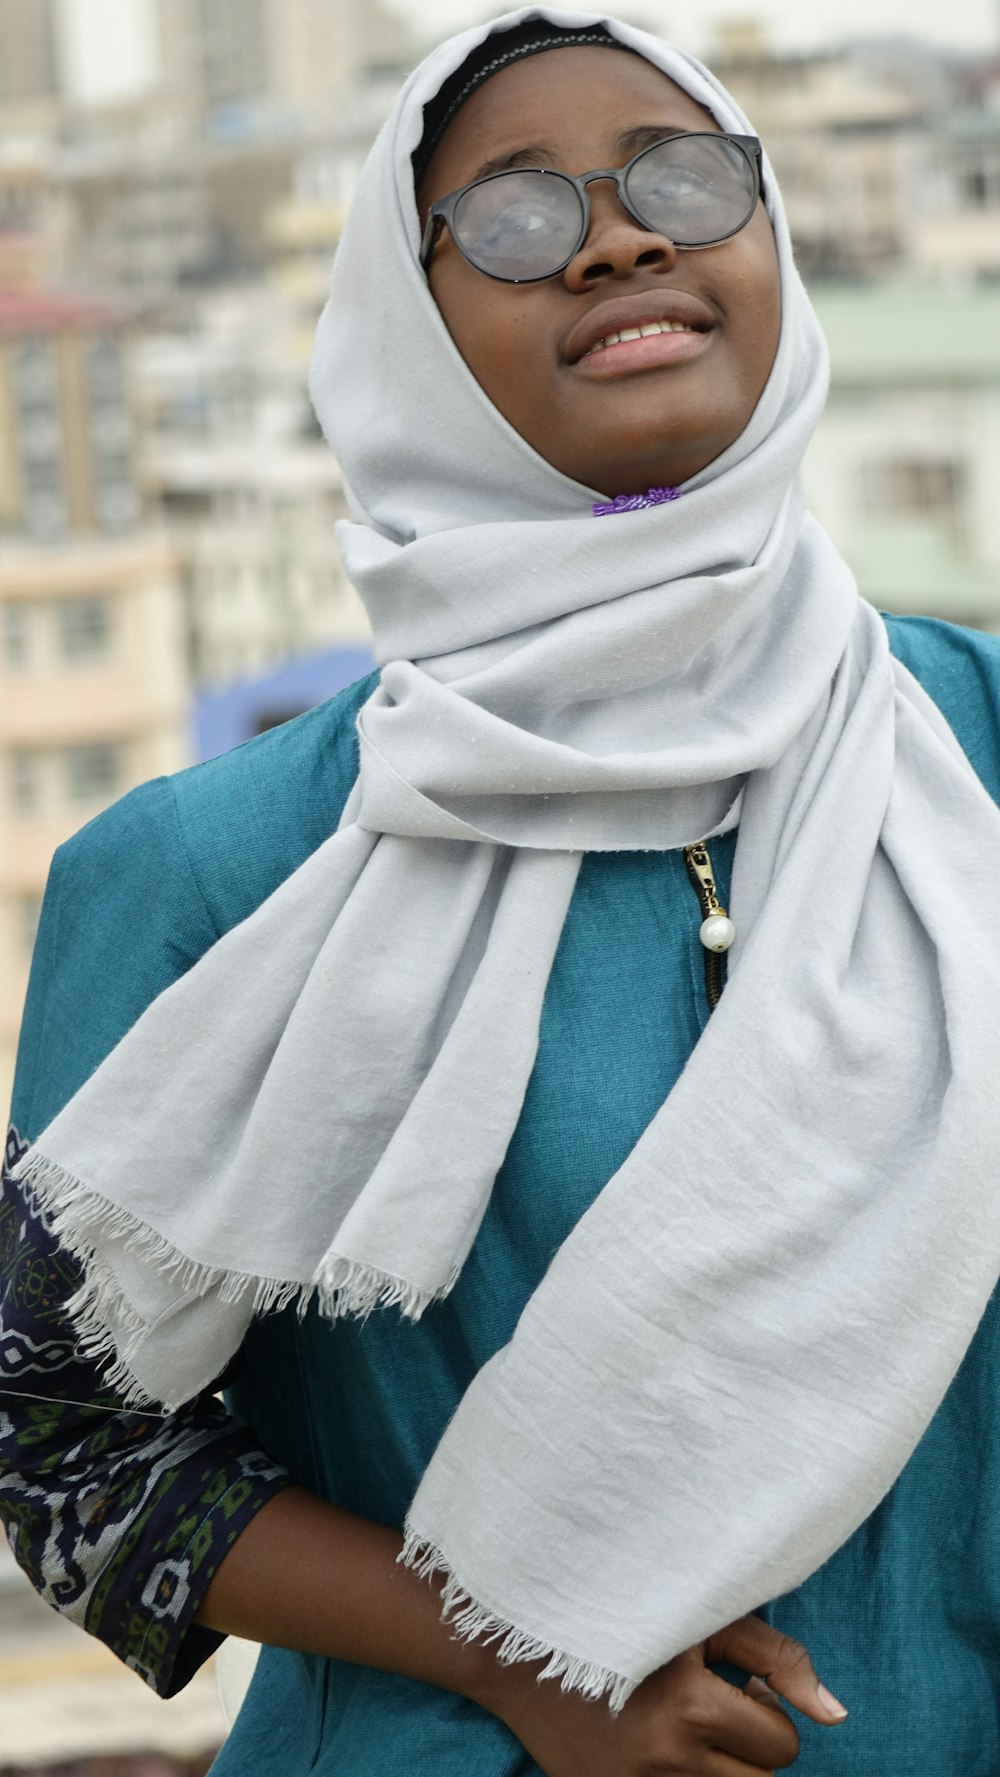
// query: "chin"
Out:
[633,471]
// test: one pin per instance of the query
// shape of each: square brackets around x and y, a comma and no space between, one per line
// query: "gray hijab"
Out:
[735,1352]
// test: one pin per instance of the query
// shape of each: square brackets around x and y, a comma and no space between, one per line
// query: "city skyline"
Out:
[968,24]
[117,59]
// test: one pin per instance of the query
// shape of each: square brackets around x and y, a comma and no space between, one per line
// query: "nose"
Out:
[615,245]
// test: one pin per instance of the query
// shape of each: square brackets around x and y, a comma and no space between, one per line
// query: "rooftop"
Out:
[899,331]
[52,311]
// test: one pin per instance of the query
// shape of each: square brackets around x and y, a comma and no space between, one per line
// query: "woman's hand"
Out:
[682,1719]
[308,1575]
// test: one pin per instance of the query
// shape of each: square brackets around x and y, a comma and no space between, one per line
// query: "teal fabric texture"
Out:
[903,1622]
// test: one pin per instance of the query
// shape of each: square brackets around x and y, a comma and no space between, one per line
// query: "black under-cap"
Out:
[497,51]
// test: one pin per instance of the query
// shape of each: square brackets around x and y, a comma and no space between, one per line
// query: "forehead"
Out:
[574,101]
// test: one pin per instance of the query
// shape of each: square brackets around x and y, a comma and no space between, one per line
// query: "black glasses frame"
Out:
[441,213]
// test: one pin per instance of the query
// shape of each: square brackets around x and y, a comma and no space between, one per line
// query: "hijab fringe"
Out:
[472,1621]
[106,1322]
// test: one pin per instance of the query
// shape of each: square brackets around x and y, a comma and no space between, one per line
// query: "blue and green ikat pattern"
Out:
[118,1519]
[36,1277]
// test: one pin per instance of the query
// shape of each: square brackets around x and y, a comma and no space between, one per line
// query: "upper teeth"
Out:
[613,339]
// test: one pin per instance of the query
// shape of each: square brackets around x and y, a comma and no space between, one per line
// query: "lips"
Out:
[627,312]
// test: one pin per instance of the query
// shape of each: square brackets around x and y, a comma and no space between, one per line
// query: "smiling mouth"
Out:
[656,345]
[647,331]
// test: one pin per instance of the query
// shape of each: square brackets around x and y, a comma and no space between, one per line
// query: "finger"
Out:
[761,1693]
[746,1728]
[785,1664]
[722,1764]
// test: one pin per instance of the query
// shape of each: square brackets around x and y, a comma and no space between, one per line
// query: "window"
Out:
[110,430]
[25,780]
[978,176]
[110,437]
[114,468]
[44,507]
[913,485]
[104,366]
[35,375]
[16,633]
[84,628]
[183,505]
[114,492]
[40,439]
[117,507]
[94,772]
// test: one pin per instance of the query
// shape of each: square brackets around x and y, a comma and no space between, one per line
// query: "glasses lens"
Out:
[693,190]
[517,225]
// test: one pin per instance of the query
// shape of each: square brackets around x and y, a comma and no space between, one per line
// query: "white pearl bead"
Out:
[717,932]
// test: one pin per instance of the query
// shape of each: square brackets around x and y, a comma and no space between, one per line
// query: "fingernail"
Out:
[830,1703]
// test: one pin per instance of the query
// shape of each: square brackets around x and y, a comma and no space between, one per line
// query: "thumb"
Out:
[756,1647]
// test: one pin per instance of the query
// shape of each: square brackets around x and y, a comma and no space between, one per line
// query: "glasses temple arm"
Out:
[435,223]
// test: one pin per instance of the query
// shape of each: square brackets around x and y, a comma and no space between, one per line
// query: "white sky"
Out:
[969,24]
[110,42]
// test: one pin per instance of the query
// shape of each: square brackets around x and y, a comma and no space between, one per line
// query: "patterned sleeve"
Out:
[118,1519]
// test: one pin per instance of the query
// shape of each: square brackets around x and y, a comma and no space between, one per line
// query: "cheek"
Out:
[765,273]
[753,304]
[492,326]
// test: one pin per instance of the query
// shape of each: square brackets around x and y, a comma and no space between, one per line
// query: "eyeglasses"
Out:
[527,223]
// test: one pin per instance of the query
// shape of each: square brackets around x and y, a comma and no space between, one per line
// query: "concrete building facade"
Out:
[905,464]
[270,66]
[30,75]
[66,438]
[955,231]
[233,462]
[93,670]
[844,140]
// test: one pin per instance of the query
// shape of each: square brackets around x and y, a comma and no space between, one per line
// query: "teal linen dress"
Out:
[902,1622]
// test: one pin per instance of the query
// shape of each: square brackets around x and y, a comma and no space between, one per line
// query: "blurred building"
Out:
[303,229]
[887,150]
[258,112]
[250,492]
[847,139]
[93,677]
[159,214]
[30,75]
[34,222]
[249,67]
[956,230]
[904,466]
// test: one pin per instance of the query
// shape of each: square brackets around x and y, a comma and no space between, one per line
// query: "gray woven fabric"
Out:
[735,1352]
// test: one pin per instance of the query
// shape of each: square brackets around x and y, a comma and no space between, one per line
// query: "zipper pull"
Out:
[717,929]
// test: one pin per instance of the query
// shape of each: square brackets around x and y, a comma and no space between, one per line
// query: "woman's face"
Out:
[623,419]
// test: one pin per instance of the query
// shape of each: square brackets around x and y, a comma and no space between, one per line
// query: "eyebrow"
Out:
[627,143]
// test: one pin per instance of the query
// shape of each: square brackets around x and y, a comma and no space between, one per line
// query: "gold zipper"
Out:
[702,875]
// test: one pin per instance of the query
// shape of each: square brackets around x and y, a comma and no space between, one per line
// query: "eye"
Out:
[678,182]
[507,221]
[698,184]
[522,217]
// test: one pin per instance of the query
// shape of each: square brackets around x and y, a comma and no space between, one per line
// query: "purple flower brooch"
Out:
[656,496]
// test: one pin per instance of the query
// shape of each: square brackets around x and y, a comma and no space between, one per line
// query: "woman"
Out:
[693,1378]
